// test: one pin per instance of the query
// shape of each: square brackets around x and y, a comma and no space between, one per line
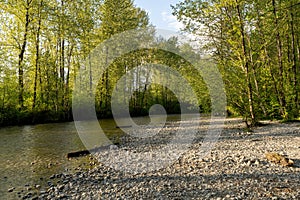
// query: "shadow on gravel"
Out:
[212,186]
[257,135]
[227,134]
[296,164]
[235,134]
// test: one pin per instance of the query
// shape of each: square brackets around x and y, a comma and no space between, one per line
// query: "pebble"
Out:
[50,183]
[236,168]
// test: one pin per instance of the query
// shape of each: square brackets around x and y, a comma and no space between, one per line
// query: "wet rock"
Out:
[235,169]
[60,187]
[27,196]
[37,186]
[50,183]
[42,192]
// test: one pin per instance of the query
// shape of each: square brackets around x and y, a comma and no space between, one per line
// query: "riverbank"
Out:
[236,168]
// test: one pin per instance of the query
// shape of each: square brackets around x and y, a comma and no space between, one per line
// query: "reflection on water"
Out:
[31,154]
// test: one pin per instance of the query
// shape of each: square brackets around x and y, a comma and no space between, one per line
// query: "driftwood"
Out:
[129,126]
[279,159]
[80,153]
[76,154]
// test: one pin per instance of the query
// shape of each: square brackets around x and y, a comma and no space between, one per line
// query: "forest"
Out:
[255,44]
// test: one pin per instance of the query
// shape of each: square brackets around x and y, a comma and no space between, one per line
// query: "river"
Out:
[31,154]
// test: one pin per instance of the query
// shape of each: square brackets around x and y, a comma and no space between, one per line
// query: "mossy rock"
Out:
[279,159]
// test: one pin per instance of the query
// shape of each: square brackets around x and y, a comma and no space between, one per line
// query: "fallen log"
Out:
[80,153]
[128,126]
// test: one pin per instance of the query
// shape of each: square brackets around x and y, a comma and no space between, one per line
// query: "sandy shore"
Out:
[236,168]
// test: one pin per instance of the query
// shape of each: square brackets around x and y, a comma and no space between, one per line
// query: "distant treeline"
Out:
[45,43]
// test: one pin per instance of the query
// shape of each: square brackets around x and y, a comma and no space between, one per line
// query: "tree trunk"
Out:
[294,68]
[246,66]
[21,58]
[37,48]
[282,100]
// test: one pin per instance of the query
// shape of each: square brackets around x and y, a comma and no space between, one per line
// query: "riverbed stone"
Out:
[236,168]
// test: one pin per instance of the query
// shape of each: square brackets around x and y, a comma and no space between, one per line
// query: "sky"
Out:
[160,13]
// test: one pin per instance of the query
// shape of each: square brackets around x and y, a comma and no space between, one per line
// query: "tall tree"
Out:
[246,38]
[117,17]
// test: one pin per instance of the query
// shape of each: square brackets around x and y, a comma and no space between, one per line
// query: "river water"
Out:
[29,155]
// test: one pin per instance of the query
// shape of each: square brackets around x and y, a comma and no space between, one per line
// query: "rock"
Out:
[42,192]
[11,189]
[113,147]
[60,187]
[279,159]
[235,169]
[28,195]
[248,163]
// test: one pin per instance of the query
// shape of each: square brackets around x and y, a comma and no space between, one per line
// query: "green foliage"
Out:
[256,45]
[44,44]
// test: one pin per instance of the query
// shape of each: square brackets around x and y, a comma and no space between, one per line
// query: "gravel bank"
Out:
[236,168]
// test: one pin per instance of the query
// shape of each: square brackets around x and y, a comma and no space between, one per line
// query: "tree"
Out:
[241,33]
[44,43]
[117,17]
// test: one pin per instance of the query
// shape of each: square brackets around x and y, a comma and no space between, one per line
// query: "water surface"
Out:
[29,155]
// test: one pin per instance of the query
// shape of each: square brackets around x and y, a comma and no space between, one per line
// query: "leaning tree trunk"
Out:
[21,59]
[247,67]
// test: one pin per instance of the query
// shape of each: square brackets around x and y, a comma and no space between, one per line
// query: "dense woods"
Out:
[44,43]
[256,46]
